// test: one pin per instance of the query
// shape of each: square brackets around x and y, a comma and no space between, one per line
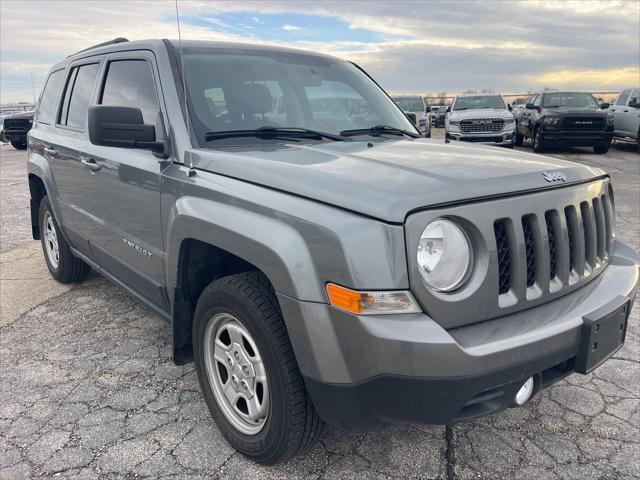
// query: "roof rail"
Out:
[103,44]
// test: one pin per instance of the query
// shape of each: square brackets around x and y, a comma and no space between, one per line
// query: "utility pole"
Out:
[33,89]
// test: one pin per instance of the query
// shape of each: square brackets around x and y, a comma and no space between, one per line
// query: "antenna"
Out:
[33,90]
[192,171]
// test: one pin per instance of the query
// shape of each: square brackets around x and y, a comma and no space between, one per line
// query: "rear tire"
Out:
[19,145]
[538,145]
[63,266]
[246,303]
[600,149]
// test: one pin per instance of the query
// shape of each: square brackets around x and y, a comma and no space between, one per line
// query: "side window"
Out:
[633,98]
[47,105]
[77,96]
[624,96]
[129,83]
[537,100]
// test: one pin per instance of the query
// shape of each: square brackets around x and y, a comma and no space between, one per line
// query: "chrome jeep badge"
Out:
[554,176]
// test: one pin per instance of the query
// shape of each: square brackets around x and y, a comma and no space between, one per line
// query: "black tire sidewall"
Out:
[272,437]
[18,145]
[45,207]
[537,135]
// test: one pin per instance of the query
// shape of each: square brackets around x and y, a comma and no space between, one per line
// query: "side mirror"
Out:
[604,105]
[633,103]
[448,109]
[509,107]
[428,109]
[122,127]
[412,117]
[529,106]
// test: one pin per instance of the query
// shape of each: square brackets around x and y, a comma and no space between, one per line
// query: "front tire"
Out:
[538,145]
[518,139]
[600,149]
[63,266]
[248,373]
[19,145]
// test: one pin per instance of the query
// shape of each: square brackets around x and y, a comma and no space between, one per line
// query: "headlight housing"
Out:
[609,120]
[509,120]
[454,121]
[444,256]
[551,121]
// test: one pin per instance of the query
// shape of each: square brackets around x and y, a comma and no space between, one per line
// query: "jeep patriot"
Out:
[321,264]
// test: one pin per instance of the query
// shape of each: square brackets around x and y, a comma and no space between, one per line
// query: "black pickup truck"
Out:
[555,119]
[16,127]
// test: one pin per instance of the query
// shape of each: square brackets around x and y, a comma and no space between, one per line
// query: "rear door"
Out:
[124,203]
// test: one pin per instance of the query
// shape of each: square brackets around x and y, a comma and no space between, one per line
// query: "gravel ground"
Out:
[88,389]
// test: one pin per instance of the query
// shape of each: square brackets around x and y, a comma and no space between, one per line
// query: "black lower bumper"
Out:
[577,139]
[16,135]
[371,404]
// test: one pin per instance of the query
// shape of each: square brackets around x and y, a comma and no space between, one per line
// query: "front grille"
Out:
[17,124]
[481,125]
[578,240]
[582,124]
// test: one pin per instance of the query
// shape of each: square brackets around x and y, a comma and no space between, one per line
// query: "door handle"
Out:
[50,151]
[91,164]
[625,111]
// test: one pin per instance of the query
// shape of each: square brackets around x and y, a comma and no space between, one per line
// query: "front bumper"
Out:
[15,135]
[363,372]
[577,139]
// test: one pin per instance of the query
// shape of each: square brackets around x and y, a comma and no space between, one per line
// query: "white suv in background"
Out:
[482,118]
[626,116]
[415,104]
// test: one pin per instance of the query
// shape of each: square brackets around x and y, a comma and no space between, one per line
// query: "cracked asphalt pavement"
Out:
[88,389]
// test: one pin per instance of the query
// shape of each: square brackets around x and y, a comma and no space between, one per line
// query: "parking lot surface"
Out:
[88,389]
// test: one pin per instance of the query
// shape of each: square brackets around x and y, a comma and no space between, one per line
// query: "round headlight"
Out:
[444,255]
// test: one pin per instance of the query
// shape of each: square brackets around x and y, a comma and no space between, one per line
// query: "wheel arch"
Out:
[38,191]
[208,240]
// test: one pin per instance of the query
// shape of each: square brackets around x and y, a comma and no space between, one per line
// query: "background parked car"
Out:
[438,113]
[480,118]
[565,119]
[626,116]
[16,127]
[415,104]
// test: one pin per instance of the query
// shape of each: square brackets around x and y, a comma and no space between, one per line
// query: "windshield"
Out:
[480,101]
[413,104]
[238,89]
[574,100]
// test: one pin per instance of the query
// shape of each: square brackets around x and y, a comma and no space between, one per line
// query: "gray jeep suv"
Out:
[321,263]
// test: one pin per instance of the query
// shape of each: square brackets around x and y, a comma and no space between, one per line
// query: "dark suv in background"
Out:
[557,119]
[16,127]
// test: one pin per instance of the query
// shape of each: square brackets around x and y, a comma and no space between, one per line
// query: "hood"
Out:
[28,115]
[481,113]
[392,178]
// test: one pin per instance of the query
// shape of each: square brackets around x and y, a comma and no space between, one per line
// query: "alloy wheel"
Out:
[236,373]
[51,241]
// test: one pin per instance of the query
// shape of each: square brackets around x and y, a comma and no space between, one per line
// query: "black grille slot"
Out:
[606,206]
[550,219]
[530,248]
[573,230]
[600,228]
[504,255]
[589,234]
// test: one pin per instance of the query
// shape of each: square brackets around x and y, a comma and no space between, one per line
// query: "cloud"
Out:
[407,46]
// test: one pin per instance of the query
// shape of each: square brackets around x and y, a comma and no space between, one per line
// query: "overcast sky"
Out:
[409,47]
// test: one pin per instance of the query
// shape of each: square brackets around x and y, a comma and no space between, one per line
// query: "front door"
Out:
[125,183]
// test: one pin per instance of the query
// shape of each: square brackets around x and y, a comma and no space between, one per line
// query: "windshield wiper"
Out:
[273,132]
[378,130]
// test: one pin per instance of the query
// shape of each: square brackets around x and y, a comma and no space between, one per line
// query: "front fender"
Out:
[299,244]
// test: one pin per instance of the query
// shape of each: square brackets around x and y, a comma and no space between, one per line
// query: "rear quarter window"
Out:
[77,96]
[49,96]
